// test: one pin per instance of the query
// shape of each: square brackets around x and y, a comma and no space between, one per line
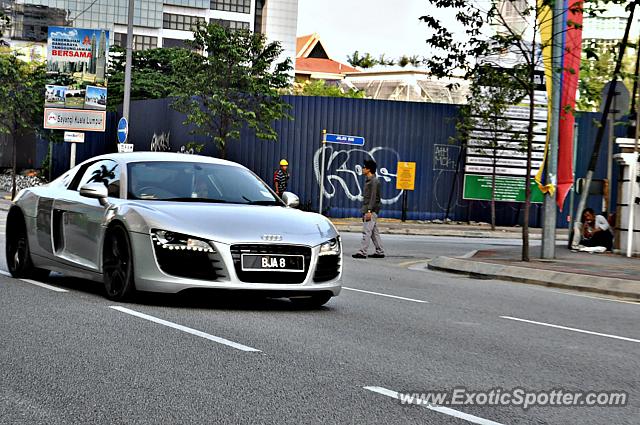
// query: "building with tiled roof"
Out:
[314,63]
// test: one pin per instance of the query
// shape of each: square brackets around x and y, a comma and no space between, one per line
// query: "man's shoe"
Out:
[359,255]
[376,256]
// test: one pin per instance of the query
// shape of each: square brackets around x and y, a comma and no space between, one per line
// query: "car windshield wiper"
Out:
[260,202]
[190,199]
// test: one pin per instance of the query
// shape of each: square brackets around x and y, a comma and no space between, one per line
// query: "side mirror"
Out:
[290,200]
[95,191]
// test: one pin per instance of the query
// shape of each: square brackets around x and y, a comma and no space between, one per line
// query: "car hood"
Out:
[230,223]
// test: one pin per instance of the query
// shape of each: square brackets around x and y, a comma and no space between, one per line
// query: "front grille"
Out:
[328,268]
[189,264]
[270,276]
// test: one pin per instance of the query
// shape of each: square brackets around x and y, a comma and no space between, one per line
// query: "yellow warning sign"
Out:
[406,176]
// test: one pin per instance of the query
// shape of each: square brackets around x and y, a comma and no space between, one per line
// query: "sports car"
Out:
[167,222]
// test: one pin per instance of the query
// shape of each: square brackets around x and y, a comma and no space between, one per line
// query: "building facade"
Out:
[157,23]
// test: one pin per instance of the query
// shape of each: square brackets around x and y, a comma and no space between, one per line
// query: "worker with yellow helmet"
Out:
[281,177]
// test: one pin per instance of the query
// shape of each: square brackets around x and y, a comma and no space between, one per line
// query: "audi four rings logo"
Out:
[272,238]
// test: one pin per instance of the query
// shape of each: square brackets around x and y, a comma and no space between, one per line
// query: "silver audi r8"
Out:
[166,222]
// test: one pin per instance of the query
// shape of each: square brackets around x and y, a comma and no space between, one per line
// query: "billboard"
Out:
[509,164]
[77,60]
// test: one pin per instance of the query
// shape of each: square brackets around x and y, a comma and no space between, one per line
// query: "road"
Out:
[69,356]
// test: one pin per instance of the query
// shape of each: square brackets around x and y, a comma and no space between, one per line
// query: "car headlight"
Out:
[178,241]
[331,247]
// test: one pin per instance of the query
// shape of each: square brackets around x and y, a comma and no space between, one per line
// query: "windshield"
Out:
[196,182]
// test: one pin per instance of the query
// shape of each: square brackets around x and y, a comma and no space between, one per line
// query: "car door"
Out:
[77,220]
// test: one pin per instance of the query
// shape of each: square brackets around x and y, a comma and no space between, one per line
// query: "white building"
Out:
[607,29]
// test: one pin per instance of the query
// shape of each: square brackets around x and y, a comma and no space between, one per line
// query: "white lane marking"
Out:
[596,298]
[623,338]
[385,295]
[201,334]
[44,285]
[440,409]
[5,273]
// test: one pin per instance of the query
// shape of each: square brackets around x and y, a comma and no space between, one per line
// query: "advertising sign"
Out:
[74,119]
[76,74]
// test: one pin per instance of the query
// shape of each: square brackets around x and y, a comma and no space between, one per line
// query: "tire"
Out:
[117,265]
[311,301]
[18,253]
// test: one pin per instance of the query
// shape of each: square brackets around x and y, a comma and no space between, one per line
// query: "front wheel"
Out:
[117,265]
[311,301]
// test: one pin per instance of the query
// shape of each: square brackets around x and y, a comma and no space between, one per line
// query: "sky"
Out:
[391,27]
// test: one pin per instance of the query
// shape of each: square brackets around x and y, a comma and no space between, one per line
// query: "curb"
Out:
[574,281]
[446,232]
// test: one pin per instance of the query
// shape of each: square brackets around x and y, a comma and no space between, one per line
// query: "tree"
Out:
[415,60]
[153,74]
[320,88]
[491,36]
[596,70]
[366,61]
[404,60]
[22,87]
[382,60]
[491,93]
[236,83]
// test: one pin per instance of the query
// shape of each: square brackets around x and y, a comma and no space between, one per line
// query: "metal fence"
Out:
[394,131]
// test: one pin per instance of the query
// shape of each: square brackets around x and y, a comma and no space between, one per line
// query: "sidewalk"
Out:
[440,228]
[610,274]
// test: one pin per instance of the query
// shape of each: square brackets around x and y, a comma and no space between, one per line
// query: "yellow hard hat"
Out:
[284,162]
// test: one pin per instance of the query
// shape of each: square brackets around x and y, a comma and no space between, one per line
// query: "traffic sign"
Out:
[344,139]
[406,176]
[125,147]
[123,130]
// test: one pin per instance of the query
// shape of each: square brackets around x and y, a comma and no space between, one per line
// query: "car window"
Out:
[201,182]
[106,172]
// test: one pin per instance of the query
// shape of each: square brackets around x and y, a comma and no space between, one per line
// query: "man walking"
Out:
[281,177]
[370,210]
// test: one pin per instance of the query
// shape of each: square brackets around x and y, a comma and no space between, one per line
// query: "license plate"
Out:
[280,263]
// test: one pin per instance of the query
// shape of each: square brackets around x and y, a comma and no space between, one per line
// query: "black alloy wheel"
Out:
[118,265]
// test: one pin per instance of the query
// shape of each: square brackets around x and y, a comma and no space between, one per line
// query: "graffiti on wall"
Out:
[343,172]
[160,142]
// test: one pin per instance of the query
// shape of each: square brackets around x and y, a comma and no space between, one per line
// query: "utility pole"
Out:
[127,70]
[550,209]
[605,113]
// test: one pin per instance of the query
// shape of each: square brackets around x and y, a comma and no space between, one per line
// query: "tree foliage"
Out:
[236,83]
[365,61]
[321,88]
[596,70]
[153,74]
[22,88]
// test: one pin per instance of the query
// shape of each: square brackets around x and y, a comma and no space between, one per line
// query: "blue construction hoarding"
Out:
[394,131]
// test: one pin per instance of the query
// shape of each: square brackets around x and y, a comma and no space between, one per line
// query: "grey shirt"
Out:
[371,198]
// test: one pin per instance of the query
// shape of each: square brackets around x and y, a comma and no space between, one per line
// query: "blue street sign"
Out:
[123,130]
[345,140]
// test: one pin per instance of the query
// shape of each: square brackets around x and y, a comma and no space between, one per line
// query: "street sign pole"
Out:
[405,196]
[323,146]
[72,159]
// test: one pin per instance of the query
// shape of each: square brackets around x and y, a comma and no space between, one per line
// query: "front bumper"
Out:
[150,277]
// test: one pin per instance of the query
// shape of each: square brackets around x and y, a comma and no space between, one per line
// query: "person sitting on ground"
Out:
[595,230]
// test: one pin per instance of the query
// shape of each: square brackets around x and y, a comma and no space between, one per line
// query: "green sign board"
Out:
[508,189]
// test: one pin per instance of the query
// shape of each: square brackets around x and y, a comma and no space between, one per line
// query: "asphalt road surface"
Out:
[68,355]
